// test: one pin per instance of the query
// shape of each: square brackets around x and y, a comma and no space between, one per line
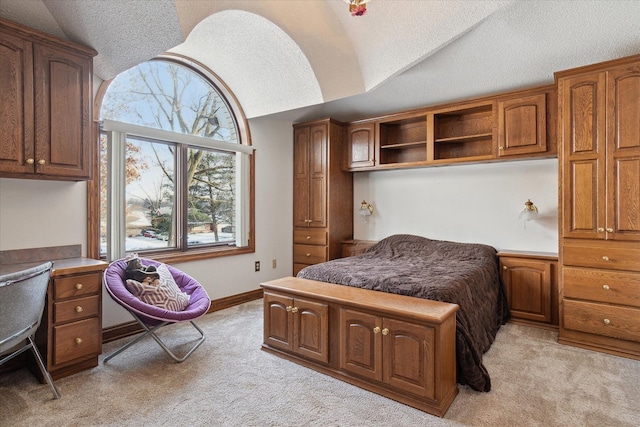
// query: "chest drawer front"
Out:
[79,308]
[602,319]
[607,256]
[75,286]
[309,254]
[601,285]
[310,237]
[76,340]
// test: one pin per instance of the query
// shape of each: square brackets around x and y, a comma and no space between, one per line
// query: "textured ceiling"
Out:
[275,55]
[305,59]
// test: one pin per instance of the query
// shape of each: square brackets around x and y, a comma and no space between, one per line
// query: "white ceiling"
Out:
[301,59]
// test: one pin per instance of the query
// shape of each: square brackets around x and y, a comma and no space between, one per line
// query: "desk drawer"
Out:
[613,287]
[75,286]
[309,254]
[607,255]
[76,309]
[602,319]
[310,237]
[76,340]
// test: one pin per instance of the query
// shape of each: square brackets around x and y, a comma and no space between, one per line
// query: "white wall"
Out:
[476,203]
[36,213]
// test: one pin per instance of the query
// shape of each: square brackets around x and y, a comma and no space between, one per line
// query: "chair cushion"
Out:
[165,294]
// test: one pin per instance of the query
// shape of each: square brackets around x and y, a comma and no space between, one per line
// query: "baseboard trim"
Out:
[123,330]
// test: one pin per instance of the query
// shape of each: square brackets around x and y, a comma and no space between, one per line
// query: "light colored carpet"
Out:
[229,381]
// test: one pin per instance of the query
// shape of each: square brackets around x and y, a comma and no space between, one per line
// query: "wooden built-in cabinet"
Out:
[70,334]
[531,284]
[46,109]
[361,137]
[397,346]
[599,113]
[508,126]
[322,193]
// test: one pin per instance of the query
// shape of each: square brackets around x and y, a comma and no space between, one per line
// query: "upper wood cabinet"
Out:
[361,148]
[508,126]
[527,123]
[46,109]
[599,116]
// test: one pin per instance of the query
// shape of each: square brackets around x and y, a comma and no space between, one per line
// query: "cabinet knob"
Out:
[289,308]
[308,237]
[600,229]
[79,309]
[30,161]
[78,286]
[376,330]
[78,340]
[606,321]
[294,309]
[41,162]
[504,267]
[308,254]
[385,331]
[609,230]
[606,287]
[501,147]
[605,258]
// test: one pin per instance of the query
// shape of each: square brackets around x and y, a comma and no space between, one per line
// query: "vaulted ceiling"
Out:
[302,59]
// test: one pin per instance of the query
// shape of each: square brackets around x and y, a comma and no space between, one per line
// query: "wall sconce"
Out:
[366,209]
[530,211]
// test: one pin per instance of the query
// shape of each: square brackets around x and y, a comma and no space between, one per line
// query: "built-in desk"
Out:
[70,335]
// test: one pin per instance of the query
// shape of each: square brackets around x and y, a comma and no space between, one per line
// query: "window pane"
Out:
[103,194]
[211,199]
[150,195]
[169,96]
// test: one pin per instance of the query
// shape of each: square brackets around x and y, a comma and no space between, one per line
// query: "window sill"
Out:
[197,254]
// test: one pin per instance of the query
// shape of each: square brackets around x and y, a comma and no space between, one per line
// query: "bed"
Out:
[466,274]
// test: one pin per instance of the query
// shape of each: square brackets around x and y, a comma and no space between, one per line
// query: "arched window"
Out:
[175,164]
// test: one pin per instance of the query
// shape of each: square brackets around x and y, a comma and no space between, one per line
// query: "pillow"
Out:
[166,294]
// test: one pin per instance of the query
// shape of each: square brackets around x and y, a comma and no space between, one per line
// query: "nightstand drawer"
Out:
[601,285]
[76,309]
[310,237]
[76,340]
[75,286]
[602,319]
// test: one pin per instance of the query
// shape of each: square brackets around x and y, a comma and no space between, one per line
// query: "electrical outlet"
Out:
[274,263]
[257,265]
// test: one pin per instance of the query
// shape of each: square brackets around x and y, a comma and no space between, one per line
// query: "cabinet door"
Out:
[361,344]
[318,154]
[361,148]
[16,107]
[408,357]
[528,287]
[278,330]
[522,125]
[301,177]
[311,329]
[63,97]
[623,154]
[582,110]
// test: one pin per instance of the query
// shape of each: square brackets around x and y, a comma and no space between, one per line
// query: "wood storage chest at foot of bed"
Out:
[397,346]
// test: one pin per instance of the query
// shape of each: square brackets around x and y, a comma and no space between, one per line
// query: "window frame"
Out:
[177,254]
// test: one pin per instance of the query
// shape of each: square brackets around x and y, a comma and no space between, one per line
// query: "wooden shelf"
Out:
[465,138]
[403,145]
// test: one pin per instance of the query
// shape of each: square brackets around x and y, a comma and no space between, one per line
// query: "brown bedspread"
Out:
[460,273]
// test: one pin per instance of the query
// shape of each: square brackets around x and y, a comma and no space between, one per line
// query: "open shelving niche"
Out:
[442,136]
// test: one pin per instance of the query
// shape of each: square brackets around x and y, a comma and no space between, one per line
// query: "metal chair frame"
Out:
[14,279]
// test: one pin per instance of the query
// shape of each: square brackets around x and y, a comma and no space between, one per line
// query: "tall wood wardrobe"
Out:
[322,193]
[599,123]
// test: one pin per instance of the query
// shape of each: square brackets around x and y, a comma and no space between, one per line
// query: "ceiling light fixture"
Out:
[357,7]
